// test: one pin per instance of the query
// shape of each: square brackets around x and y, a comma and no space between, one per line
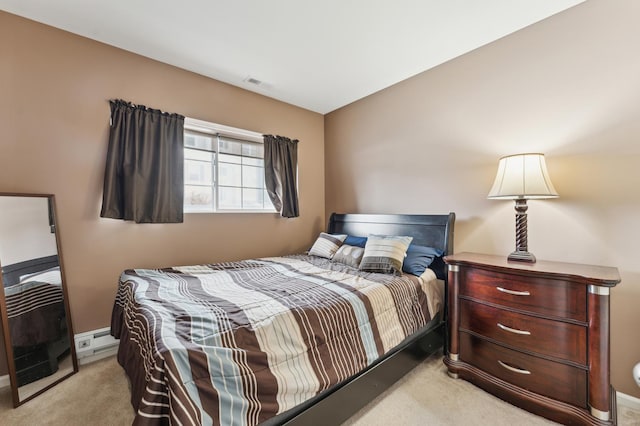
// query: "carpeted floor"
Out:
[99,395]
[428,396]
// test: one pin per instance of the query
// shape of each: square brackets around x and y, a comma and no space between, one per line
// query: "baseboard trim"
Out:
[5,381]
[628,401]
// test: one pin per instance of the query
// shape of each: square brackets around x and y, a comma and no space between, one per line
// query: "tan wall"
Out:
[568,87]
[54,118]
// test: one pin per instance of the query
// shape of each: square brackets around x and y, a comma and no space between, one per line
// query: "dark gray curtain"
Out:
[144,178]
[281,173]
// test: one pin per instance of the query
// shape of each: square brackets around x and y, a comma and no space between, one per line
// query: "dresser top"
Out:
[598,275]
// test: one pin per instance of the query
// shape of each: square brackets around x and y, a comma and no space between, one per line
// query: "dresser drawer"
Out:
[544,296]
[543,336]
[552,379]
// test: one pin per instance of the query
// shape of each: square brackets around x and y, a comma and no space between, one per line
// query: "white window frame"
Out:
[215,130]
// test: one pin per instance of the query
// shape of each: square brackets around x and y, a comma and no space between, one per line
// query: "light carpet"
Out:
[99,395]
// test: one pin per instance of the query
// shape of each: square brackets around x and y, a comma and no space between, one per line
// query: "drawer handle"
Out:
[515,370]
[513,330]
[515,293]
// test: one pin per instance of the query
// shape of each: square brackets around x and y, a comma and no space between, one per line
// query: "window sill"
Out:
[231,211]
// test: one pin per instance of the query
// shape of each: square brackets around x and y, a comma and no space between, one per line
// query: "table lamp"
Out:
[522,177]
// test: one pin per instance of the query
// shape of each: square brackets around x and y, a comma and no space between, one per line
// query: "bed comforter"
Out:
[35,308]
[237,343]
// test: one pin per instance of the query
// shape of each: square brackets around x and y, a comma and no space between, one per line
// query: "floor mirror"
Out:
[36,324]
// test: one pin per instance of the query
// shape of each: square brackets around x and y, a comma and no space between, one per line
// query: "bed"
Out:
[34,306]
[36,316]
[284,340]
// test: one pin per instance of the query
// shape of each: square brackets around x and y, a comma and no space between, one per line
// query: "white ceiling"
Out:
[319,55]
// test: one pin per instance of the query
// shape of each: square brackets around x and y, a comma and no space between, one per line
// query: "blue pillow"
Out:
[356,241]
[419,258]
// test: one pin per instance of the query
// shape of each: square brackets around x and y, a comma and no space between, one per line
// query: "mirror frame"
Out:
[5,318]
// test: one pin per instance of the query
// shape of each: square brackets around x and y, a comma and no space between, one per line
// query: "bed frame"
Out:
[337,404]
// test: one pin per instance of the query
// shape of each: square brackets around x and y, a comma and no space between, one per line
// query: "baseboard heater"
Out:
[94,345]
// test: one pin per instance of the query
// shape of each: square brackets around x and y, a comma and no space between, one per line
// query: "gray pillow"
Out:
[349,255]
[385,254]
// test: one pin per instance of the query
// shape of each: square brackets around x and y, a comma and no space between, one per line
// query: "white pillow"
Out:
[327,245]
[385,254]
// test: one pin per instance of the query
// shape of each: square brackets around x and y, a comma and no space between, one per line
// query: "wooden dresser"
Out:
[534,334]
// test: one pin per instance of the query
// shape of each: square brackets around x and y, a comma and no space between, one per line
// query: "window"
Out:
[223,172]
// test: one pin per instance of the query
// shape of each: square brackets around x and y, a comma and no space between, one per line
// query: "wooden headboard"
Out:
[427,230]
[11,273]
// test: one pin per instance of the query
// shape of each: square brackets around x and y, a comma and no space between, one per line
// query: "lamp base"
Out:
[522,256]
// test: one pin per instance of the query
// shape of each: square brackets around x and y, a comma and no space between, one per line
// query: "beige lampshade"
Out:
[522,176]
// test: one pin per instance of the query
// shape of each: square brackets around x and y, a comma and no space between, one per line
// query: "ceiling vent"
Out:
[253,81]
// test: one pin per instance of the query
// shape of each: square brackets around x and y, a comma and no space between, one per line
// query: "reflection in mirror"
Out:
[34,303]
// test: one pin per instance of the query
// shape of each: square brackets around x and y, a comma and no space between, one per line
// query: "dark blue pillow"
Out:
[419,258]
[356,241]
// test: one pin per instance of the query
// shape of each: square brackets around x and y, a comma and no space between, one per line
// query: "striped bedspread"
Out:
[35,308]
[237,343]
